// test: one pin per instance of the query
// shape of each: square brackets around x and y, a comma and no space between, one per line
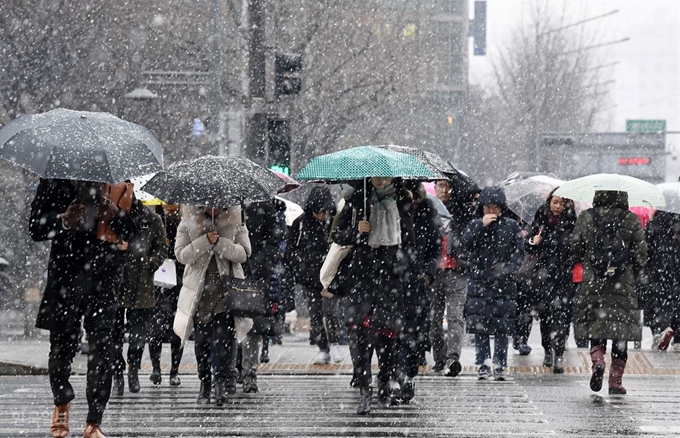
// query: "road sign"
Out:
[645,126]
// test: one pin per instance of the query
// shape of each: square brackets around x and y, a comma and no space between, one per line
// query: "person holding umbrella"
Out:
[549,240]
[609,240]
[211,242]
[84,274]
[377,220]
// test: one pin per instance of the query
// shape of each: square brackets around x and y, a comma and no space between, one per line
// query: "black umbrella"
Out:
[215,182]
[80,145]
[460,181]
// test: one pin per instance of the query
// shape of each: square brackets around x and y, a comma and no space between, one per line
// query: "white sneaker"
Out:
[336,353]
[322,358]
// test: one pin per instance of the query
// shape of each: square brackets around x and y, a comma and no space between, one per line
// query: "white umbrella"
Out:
[640,193]
[293,210]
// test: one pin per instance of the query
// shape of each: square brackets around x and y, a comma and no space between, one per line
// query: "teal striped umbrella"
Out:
[640,193]
[363,162]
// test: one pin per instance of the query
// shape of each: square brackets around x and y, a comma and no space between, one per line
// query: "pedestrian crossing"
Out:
[286,406]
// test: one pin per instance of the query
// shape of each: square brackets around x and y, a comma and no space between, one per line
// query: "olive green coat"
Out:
[146,253]
[608,307]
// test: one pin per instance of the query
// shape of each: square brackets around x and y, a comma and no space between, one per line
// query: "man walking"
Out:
[83,277]
[449,289]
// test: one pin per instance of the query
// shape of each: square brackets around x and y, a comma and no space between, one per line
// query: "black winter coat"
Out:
[555,257]
[78,263]
[662,272]
[496,253]
[376,275]
[306,250]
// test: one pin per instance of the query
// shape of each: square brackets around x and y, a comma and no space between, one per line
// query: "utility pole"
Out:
[218,127]
[256,121]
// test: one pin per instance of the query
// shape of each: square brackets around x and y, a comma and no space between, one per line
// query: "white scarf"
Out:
[385,220]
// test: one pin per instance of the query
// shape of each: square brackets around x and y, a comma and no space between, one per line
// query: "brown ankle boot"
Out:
[597,356]
[93,430]
[60,416]
[615,375]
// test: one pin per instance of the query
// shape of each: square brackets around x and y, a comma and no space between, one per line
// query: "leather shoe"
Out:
[220,392]
[175,380]
[156,377]
[60,416]
[133,381]
[93,430]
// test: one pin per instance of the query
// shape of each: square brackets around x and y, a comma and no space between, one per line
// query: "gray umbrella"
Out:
[80,145]
[440,167]
[214,181]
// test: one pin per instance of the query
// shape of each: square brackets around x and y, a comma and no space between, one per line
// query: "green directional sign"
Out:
[645,126]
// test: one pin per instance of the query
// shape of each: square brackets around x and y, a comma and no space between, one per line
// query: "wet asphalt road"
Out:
[323,406]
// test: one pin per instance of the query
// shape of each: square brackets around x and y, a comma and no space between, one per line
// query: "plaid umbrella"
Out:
[640,193]
[364,162]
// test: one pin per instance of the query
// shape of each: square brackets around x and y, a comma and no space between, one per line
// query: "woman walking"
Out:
[305,253]
[549,240]
[211,243]
[608,305]
[496,248]
[378,222]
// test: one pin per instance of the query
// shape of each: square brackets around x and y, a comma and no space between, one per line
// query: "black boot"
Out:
[174,378]
[558,368]
[364,407]
[264,357]
[204,393]
[220,392]
[548,360]
[118,384]
[384,396]
[155,376]
[407,390]
[133,381]
[250,383]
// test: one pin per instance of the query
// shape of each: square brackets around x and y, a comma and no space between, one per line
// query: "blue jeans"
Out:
[483,350]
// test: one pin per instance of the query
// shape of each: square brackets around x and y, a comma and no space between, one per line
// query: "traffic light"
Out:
[278,136]
[286,66]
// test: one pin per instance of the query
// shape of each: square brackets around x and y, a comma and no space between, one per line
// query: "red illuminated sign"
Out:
[634,161]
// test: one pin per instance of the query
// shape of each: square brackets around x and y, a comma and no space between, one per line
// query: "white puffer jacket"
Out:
[193,249]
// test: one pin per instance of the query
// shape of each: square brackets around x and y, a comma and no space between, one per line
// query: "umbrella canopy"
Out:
[214,181]
[80,145]
[291,184]
[146,198]
[671,193]
[640,193]
[293,210]
[363,162]
[439,166]
[525,196]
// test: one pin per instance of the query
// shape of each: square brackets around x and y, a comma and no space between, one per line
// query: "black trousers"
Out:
[526,304]
[160,329]
[98,312]
[221,333]
[323,335]
[137,328]
[619,348]
[362,342]
[556,313]
[63,348]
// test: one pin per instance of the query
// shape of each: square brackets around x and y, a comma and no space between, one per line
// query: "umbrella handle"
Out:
[365,196]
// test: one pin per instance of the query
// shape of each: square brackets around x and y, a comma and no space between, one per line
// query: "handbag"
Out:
[245,297]
[331,264]
[166,275]
[270,326]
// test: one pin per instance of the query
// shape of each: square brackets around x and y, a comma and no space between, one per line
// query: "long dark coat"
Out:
[81,267]
[496,253]
[376,275]
[146,253]
[553,279]
[608,308]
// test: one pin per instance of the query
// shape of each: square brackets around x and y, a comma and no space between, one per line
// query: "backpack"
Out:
[610,252]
